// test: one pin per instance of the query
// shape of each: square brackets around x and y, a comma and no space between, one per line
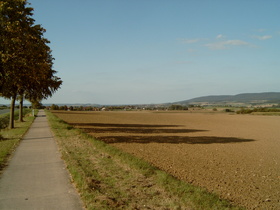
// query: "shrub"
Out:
[244,111]
[228,110]
[177,107]
[261,109]
[4,121]
[5,118]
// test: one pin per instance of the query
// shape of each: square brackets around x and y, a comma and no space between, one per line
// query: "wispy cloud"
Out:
[265,37]
[189,41]
[226,44]
[220,36]
[261,30]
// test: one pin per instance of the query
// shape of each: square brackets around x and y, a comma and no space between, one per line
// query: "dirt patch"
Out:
[235,156]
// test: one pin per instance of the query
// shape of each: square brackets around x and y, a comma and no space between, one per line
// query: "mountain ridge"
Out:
[265,97]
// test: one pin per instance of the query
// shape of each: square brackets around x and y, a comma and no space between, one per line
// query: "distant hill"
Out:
[268,97]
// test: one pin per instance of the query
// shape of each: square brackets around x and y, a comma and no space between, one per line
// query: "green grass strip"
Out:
[10,138]
[108,178]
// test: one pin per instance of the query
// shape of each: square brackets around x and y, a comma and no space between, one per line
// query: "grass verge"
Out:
[108,178]
[10,138]
[267,113]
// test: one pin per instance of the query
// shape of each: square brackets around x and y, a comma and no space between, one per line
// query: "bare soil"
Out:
[235,156]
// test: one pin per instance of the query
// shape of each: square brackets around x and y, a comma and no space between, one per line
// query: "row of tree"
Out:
[26,62]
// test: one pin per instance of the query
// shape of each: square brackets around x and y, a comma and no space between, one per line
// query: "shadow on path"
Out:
[39,138]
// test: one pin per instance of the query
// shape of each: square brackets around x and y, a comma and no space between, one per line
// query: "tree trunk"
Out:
[12,112]
[20,116]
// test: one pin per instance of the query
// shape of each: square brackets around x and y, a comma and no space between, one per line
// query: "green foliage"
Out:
[3,107]
[244,111]
[228,110]
[63,108]
[10,138]
[25,56]
[177,107]
[37,105]
[26,63]
[261,109]
[4,118]
[54,107]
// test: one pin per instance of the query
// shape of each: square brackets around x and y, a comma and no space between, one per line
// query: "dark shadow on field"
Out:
[122,125]
[138,130]
[122,130]
[74,112]
[132,128]
[173,139]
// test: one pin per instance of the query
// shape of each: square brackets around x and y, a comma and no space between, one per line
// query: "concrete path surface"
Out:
[36,177]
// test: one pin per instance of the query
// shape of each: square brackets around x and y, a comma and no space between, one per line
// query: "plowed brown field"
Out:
[235,156]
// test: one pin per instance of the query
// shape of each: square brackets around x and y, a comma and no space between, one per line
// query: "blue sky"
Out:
[157,51]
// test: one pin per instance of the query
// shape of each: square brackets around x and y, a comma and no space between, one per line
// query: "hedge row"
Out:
[5,118]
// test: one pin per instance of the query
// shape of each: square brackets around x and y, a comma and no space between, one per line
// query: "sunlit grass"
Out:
[267,113]
[10,138]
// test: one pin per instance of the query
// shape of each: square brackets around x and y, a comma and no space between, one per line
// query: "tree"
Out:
[54,107]
[20,116]
[37,105]
[26,60]
[177,107]
[15,20]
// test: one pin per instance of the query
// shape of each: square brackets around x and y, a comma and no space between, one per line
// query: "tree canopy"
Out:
[26,65]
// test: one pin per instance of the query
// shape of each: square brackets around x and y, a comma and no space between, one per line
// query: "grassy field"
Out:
[10,138]
[108,178]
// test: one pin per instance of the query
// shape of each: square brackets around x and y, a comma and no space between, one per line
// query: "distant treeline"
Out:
[117,108]
[275,108]
[73,108]
[177,107]
[261,109]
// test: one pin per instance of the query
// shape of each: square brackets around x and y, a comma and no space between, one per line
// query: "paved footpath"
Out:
[36,177]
